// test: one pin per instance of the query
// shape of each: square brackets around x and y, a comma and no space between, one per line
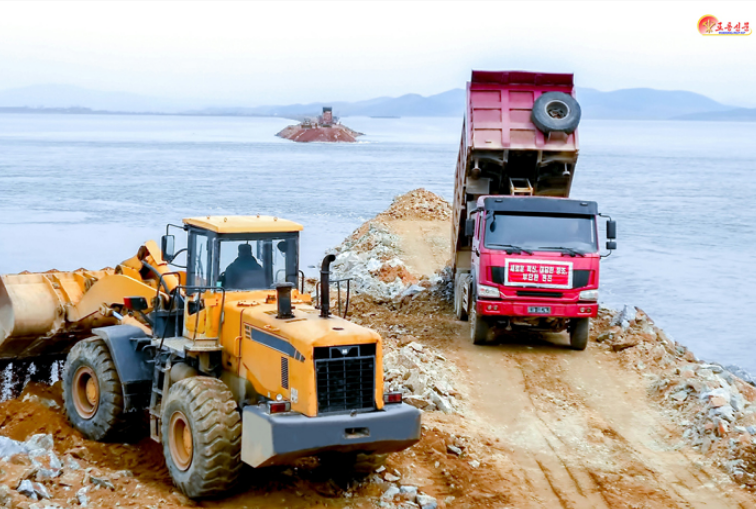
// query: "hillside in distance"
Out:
[634,104]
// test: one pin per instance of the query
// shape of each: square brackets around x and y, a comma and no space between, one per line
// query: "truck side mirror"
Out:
[168,247]
[611,229]
[470,227]
[611,245]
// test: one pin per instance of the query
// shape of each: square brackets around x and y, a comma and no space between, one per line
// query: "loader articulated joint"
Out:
[325,285]
[283,298]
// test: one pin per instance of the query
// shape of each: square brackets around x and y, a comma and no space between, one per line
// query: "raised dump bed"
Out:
[519,137]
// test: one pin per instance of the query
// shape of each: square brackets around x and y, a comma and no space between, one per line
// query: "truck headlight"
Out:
[488,291]
[588,295]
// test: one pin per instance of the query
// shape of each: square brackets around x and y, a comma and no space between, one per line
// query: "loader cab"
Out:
[240,253]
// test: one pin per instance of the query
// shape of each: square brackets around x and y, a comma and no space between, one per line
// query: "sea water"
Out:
[86,191]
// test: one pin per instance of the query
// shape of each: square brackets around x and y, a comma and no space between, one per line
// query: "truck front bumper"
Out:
[279,439]
[505,308]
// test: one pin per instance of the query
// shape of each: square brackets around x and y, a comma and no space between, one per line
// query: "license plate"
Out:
[539,310]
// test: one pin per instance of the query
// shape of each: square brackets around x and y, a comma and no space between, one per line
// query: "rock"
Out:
[390,493]
[380,469]
[624,342]
[27,488]
[406,340]
[426,501]
[416,382]
[606,336]
[10,447]
[45,474]
[689,356]
[726,412]
[389,477]
[623,316]
[416,346]
[78,452]
[48,402]
[441,403]
[71,463]
[722,428]
[454,450]
[679,396]
[5,495]
[102,482]
[81,496]
[40,441]
[705,445]
[408,489]
[751,430]
[443,387]
[717,401]
[40,489]
[474,463]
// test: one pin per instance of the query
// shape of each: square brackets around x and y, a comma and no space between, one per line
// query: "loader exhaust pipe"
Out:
[325,286]
[283,298]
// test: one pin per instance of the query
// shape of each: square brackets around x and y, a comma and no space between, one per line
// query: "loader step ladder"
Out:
[160,386]
[520,187]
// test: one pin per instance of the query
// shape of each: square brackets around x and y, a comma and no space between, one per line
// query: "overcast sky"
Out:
[271,53]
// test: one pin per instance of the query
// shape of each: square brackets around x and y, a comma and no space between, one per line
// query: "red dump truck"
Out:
[524,255]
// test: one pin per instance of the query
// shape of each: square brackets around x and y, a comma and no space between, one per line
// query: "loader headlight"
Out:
[488,291]
[588,295]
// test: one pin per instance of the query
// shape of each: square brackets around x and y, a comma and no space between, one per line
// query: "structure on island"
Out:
[323,128]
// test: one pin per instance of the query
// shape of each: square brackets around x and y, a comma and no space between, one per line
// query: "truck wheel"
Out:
[459,307]
[480,329]
[92,392]
[580,328]
[201,431]
[556,112]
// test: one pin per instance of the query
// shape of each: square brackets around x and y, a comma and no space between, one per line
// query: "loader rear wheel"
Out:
[201,431]
[92,392]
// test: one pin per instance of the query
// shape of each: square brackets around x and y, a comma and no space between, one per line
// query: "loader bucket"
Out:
[34,310]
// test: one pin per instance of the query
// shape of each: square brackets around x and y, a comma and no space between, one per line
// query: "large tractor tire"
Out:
[556,112]
[201,431]
[92,392]
[480,328]
[580,329]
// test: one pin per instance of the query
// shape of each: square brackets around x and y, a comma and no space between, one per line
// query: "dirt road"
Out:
[582,432]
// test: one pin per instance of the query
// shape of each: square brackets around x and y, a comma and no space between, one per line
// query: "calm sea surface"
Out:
[86,191]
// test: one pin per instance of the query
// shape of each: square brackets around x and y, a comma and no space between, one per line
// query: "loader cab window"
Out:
[257,262]
[201,260]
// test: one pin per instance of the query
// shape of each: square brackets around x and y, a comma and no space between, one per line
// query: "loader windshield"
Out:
[256,263]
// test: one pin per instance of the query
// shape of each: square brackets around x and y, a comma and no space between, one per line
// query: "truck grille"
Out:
[345,377]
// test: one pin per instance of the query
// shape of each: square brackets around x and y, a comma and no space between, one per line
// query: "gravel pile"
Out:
[422,375]
[372,255]
[715,405]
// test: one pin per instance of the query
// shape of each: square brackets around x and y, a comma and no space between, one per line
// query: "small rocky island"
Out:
[324,128]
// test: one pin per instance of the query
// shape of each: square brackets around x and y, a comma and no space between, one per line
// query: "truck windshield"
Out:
[544,233]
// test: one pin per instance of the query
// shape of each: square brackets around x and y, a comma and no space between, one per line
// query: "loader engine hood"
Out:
[301,358]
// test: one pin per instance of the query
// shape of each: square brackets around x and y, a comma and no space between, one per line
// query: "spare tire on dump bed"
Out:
[556,112]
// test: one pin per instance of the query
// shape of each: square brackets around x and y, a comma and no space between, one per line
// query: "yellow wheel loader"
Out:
[232,361]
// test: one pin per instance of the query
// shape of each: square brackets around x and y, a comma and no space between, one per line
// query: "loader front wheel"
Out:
[92,392]
[201,431]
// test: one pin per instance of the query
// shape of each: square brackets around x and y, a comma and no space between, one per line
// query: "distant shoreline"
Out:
[738,115]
